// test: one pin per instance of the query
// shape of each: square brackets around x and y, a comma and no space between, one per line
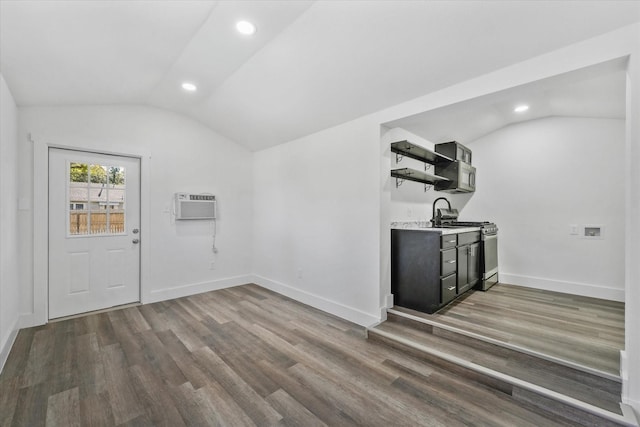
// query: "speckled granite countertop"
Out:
[426,226]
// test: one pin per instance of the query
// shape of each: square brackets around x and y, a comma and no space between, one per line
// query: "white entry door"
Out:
[94,231]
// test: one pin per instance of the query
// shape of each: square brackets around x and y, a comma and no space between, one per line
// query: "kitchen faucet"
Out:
[433,213]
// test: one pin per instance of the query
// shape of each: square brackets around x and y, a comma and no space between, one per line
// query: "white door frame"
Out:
[40,314]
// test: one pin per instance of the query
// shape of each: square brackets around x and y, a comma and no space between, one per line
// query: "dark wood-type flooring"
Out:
[587,331]
[240,356]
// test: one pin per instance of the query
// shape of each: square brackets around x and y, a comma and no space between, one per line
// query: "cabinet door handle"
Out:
[451,288]
[453,261]
[451,241]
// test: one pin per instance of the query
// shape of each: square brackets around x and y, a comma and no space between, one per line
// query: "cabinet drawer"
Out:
[448,262]
[448,286]
[448,241]
[470,237]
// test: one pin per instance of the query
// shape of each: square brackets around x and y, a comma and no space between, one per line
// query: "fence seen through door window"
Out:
[96,202]
[79,222]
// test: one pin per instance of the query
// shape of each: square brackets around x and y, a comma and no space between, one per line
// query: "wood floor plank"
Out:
[157,356]
[227,410]
[135,319]
[294,413]
[63,372]
[195,409]
[159,406]
[95,410]
[583,330]
[237,337]
[63,409]
[129,342]
[17,360]
[241,357]
[9,389]
[122,396]
[207,305]
[245,396]
[316,403]
[174,347]
[154,319]
[39,358]
[89,365]
[188,365]
[574,383]
[186,333]
[101,325]
[31,406]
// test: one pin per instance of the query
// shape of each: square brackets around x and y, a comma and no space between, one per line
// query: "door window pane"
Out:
[78,193]
[116,199]
[98,222]
[96,199]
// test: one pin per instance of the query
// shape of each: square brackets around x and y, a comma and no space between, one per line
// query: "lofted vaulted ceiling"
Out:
[598,91]
[310,65]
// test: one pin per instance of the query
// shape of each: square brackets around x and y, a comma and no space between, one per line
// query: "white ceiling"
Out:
[311,65]
[598,92]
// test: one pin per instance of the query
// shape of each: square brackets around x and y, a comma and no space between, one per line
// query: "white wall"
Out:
[631,356]
[9,277]
[536,178]
[316,212]
[178,154]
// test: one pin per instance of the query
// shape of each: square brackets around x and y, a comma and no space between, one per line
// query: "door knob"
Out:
[135,231]
[136,240]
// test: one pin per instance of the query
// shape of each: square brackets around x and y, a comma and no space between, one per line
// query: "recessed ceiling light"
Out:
[521,108]
[189,87]
[245,27]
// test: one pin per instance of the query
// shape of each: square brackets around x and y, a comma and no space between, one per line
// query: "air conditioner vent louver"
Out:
[195,206]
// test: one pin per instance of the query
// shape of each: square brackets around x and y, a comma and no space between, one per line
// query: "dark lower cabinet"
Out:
[416,264]
[473,264]
[449,289]
[468,266]
[429,269]
[463,270]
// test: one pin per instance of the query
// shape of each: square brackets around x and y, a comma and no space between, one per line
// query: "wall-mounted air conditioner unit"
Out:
[195,206]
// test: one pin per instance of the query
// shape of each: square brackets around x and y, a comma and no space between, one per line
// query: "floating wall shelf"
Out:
[415,175]
[406,148]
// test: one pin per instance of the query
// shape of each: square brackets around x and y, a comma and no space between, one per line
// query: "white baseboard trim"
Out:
[583,289]
[349,313]
[29,320]
[388,301]
[8,344]
[632,405]
[195,288]
[631,409]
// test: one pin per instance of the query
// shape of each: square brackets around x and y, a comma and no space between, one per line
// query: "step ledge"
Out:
[510,346]
[626,419]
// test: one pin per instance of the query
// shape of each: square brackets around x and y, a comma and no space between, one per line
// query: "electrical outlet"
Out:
[299,273]
[573,229]
[212,265]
